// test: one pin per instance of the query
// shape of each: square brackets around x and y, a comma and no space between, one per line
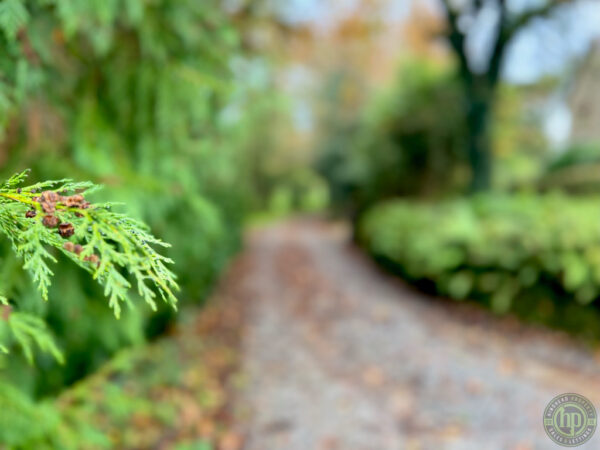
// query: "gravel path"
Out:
[338,355]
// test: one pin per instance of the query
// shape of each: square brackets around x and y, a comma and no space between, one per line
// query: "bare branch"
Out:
[508,29]
[457,40]
[499,48]
[525,18]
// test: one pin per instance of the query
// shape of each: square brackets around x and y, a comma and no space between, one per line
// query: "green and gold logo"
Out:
[570,420]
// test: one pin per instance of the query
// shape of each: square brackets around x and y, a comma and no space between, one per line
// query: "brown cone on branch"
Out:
[66,230]
[50,221]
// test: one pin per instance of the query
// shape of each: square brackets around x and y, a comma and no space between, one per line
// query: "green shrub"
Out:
[574,170]
[409,141]
[538,256]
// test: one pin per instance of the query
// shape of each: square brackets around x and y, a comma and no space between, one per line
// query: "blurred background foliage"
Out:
[204,117]
[400,166]
[402,144]
[409,141]
[402,162]
[157,101]
[121,93]
[536,255]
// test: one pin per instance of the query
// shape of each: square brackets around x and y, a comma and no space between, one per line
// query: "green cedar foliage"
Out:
[41,222]
[131,95]
[141,97]
[109,246]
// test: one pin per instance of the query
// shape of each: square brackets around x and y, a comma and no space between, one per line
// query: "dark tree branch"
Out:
[480,89]
[524,19]
[499,48]
[457,41]
[508,29]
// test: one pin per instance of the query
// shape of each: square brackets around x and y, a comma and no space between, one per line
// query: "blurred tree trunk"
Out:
[479,107]
[480,88]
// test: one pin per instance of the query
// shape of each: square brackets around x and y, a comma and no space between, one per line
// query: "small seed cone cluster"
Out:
[77,249]
[48,201]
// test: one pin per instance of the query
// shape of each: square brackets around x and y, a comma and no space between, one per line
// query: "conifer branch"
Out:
[54,216]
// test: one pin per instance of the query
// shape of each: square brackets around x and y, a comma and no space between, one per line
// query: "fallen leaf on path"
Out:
[373,376]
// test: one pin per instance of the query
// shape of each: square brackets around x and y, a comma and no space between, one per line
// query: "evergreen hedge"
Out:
[536,255]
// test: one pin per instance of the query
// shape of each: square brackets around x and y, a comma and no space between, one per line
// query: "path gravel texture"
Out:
[339,355]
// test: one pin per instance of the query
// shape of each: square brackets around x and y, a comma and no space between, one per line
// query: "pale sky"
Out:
[546,47]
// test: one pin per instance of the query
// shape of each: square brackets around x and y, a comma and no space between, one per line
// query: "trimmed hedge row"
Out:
[536,255]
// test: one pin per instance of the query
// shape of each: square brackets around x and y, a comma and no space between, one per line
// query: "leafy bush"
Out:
[409,141]
[538,256]
[574,170]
